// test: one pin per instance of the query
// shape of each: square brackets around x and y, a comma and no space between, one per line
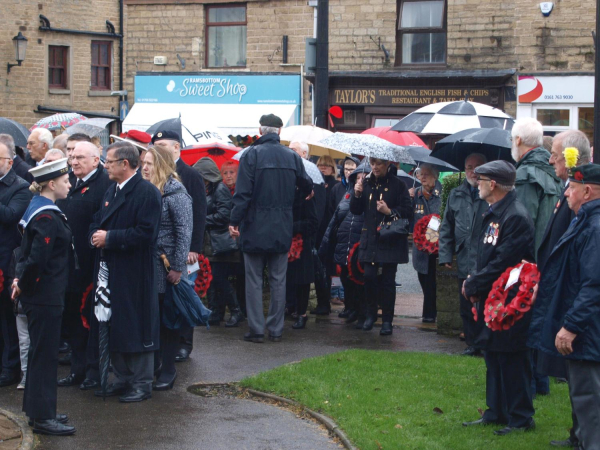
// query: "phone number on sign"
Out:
[558,97]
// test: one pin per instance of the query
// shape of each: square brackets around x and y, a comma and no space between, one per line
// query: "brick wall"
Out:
[26,87]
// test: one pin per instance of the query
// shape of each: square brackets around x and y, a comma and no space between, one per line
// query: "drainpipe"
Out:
[121,28]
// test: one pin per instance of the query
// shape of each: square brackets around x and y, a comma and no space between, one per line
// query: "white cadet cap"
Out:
[49,171]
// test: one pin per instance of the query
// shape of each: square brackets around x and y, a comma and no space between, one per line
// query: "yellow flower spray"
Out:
[571,156]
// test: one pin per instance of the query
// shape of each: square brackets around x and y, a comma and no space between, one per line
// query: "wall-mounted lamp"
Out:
[20,43]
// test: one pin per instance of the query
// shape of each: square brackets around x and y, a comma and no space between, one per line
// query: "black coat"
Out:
[80,206]
[47,242]
[21,168]
[132,220]
[557,225]
[330,183]
[506,238]
[393,191]
[218,207]
[14,200]
[264,195]
[337,194]
[320,201]
[306,223]
[194,185]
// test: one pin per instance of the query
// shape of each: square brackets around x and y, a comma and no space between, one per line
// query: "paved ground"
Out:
[178,419]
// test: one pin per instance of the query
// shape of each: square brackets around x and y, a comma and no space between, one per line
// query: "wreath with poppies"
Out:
[497,315]
[204,276]
[83,309]
[1,281]
[352,271]
[426,239]
[296,248]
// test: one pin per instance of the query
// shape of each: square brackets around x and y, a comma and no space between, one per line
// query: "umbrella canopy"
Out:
[423,156]
[218,152]
[310,135]
[409,180]
[451,117]
[18,132]
[58,121]
[491,142]
[89,127]
[405,139]
[313,172]
[191,131]
[369,146]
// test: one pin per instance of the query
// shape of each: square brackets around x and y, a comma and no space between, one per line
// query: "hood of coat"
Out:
[538,159]
[364,167]
[208,169]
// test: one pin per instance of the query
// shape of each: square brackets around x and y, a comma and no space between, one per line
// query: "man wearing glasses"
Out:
[506,237]
[89,182]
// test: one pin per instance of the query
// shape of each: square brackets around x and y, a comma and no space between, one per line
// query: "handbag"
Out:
[392,228]
[221,242]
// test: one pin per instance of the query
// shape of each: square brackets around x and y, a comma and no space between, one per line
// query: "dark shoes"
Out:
[70,380]
[60,418]
[256,338]
[214,319]
[52,427]
[386,329]
[508,430]
[344,314]
[300,323]
[7,378]
[369,322]
[352,317]
[112,390]
[481,421]
[182,355]
[274,338]
[360,324]
[135,395]
[471,351]
[65,360]
[321,311]
[162,386]
[88,384]
[234,319]
[64,347]
[571,442]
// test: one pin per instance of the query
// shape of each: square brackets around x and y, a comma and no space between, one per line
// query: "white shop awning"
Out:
[230,119]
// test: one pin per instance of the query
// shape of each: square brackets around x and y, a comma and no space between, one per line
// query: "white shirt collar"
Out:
[122,185]
[89,175]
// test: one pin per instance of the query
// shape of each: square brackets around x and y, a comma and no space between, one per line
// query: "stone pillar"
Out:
[448,311]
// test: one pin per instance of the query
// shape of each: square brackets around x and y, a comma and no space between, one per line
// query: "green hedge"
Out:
[448,183]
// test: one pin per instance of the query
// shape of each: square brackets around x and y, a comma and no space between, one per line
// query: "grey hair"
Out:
[481,157]
[577,139]
[303,146]
[56,151]
[529,130]
[88,146]
[433,170]
[268,130]
[506,187]
[44,136]
[9,142]
[125,150]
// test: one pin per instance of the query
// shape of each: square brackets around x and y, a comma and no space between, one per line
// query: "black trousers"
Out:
[429,287]
[354,294]
[39,400]
[322,284]
[9,338]
[92,351]
[381,289]
[508,388]
[169,346]
[240,285]
[470,327]
[222,290]
[297,297]
[76,332]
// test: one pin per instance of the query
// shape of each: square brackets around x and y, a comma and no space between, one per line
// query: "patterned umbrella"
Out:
[103,312]
[404,139]
[310,135]
[58,121]
[369,146]
[451,117]
[18,132]
[192,131]
[90,127]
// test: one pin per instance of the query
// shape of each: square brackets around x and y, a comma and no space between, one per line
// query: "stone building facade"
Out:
[31,86]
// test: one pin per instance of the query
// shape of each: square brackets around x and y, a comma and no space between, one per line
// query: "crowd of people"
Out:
[94,220]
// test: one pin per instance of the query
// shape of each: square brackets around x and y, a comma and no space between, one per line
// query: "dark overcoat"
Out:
[569,292]
[393,191]
[80,206]
[306,223]
[21,168]
[505,239]
[194,185]
[330,183]
[132,219]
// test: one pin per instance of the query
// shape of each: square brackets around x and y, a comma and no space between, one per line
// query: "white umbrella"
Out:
[369,146]
[452,117]
[310,135]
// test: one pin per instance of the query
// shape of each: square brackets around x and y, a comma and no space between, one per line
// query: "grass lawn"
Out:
[388,400]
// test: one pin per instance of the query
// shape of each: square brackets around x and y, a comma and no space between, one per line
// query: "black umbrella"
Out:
[422,155]
[18,132]
[103,312]
[409,180]
[166,125]
[494,143]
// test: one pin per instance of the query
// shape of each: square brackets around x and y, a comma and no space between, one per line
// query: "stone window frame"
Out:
[207,25]
[99,66]
[399,32]
[65,49]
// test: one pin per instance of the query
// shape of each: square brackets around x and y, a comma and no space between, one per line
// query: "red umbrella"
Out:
[406,138]
[218,152]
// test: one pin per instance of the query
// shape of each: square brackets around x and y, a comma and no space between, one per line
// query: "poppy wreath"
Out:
[355,277]
[204,276]
[498,315]
[1,281]
[296,248]
[423,236]
[82,308]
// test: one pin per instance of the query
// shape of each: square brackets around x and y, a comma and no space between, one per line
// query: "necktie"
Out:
[78,183]
[117,191]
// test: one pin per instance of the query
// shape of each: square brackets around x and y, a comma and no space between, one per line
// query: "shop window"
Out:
[554,117]
[226,36]
[101,66]
[586,122]
[421,34]
[58,66]
[385,121]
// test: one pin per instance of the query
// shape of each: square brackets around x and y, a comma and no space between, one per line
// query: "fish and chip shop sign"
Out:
[222,89]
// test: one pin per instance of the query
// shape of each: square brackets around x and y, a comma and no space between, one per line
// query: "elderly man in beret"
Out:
[505,239]
[268,177]
[569,300]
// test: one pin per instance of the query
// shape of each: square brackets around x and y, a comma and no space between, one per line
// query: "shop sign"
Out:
[220,89]
[566,89]
[410,96]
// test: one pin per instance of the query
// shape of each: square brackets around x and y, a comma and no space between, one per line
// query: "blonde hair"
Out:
[327,160]
[164,167]
[38,187]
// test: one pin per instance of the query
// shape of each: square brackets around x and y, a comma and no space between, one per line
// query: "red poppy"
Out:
[578,176]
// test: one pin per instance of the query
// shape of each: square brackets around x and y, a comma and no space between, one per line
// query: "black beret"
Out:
[167,134]
[586,174]
[501,172]
[270,120]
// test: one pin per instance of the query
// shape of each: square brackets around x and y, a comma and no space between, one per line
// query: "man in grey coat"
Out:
[464,209]
[268,177]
